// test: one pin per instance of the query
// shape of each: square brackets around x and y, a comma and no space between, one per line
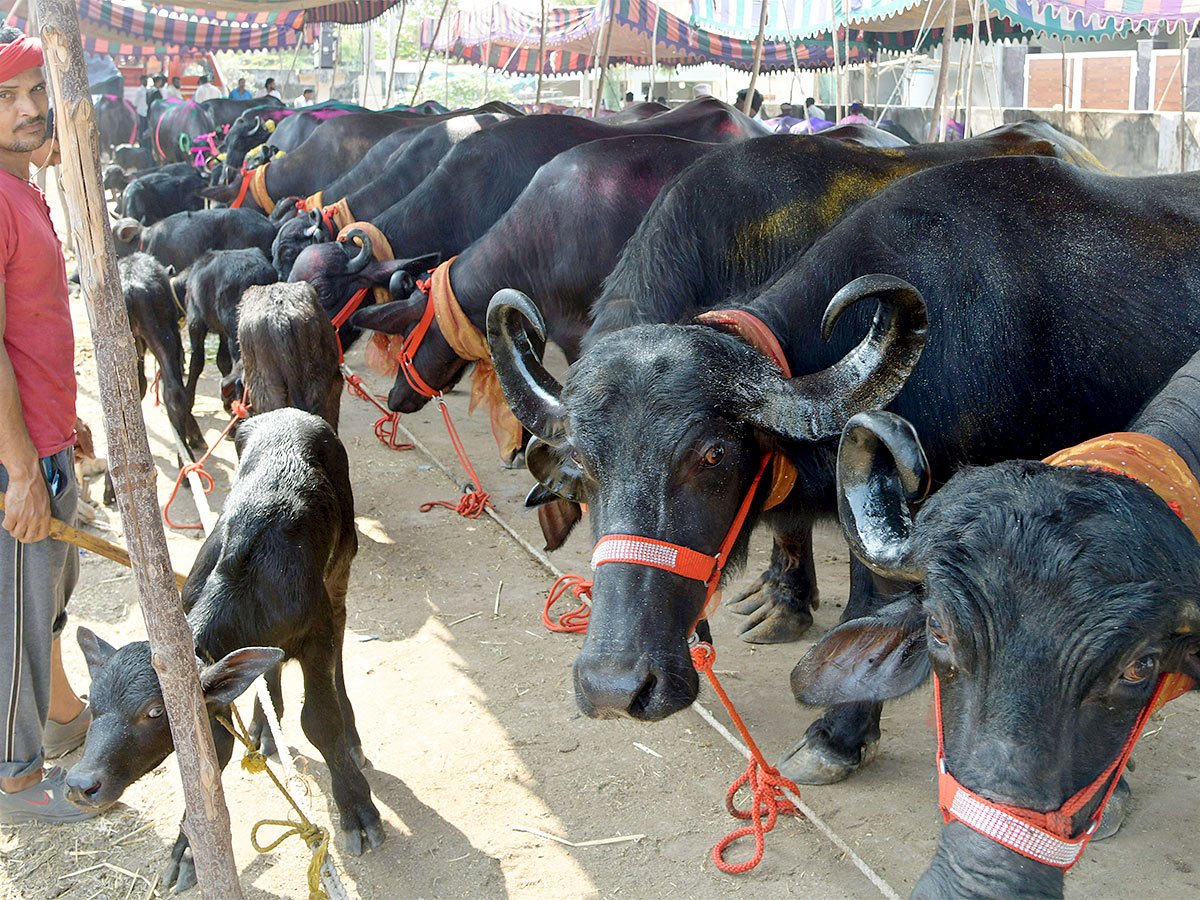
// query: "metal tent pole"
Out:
[171,641]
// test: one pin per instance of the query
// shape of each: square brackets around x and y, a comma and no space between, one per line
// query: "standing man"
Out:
[141,107]
[40,716]
[175,90]
[305,99]
[205,90]
[241,92]
[269,89]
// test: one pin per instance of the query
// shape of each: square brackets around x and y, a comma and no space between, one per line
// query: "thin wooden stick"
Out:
[537,100]
[612,14]
[937,127]
[61,531]
[172,645]
[395,52]
[433,40]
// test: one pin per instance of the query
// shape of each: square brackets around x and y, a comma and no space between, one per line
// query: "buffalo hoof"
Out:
[1114,813]
[517,461]
[355,828]
[262,738]
[809,763]
[180,872]
[769,618]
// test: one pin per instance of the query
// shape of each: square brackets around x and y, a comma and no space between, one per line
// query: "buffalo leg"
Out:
[846,737]
[180,871]
[323,725]
[197,331]
[139,352]
[778,606]
[224,358]
[260,731]
[174,393]
[337,585]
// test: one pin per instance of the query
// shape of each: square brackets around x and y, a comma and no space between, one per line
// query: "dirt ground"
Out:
[469,719]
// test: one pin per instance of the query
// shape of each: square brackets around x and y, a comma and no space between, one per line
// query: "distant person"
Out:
[629,101]
[269,89]
[156,90]
[241,92]
[140,107]
[173,91]
[785,109]
[206,90]
[755,102]
[661,99]
[811,110]
[701,90]
[306,98]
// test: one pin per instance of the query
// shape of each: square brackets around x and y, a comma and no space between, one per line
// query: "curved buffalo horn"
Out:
[816,406]
[360,258]
[882,477]
[533,394]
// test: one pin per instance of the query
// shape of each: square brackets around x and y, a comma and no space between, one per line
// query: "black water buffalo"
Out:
[154,312]
[333,149]
[116,123]
[789,190]
[153,196]
[131,157]
[215,284]
[289,352]
[175,125]
[403,170]
[179,239]
[269,585]
[574,245]
[224,111]
[1073,297]
[481,177]
[1048,600]
[284,129]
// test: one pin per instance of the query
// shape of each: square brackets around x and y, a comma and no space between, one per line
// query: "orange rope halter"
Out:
[240,409]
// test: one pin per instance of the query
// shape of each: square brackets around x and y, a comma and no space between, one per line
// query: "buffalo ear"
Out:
[126,230]
[226,679]
[555,470]
[388,318]
[871,659]
[557,519]
[1184,655]
[882,477]
[96,650]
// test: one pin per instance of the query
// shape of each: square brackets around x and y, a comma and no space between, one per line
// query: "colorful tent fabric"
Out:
[802,18]
[1125,13]
[505,38]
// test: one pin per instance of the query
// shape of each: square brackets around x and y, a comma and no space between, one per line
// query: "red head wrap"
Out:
[19,55]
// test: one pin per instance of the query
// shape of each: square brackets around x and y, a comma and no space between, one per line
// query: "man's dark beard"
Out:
[29,144]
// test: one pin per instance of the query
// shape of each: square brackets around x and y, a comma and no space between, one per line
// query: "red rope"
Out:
[240,410]
[473,502]
[766,784]
[245,186]
[575,622]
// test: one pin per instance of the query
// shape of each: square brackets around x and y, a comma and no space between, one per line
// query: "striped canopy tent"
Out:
[131,28]
[896,24]
[505,38]
[1126,13]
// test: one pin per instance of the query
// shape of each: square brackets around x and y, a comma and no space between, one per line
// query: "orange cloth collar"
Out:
[1142,458]
[754,331]
[258,188]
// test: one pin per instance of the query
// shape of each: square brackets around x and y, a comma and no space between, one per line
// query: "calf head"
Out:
[294,235]
[129,735]
[661,430]
[1047,600]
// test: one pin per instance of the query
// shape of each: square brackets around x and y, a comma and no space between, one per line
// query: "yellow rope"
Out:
[314,836]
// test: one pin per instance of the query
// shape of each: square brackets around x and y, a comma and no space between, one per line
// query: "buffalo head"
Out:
[1047,600]
[294,235]
[660,429]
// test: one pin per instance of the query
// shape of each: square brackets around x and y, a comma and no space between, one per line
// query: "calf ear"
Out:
[222,193]
[882,477]
[555,470]
[126,230]
[226,679]
[96,650]
[871,659]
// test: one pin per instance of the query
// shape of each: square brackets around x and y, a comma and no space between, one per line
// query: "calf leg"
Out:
[139,352]
[169,354]
[846,737]
[260,731]
[778,606]
[180,870]
[324,726]
[337,584]
[197,331]
[224,359]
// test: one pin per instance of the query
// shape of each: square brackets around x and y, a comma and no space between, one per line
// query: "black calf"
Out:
[274,572]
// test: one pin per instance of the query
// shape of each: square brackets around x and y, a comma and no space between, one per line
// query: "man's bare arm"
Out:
[26,502]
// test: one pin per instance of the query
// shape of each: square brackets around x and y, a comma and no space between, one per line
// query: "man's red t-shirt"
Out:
[38,336]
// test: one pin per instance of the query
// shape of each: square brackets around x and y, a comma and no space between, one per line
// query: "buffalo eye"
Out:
[713,456]
[1140,669]
[936,630]
[154,711]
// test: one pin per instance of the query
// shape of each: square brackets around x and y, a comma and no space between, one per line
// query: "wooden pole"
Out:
[1062,45]
[433,40]
[608,29]
[937,129]
[837,75]
[541,56]
[396,52]
[758,52]
[132,468]
[487,55]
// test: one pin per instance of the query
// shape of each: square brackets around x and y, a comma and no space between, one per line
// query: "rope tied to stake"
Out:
[239,409]
[767,786]
[576,621]
[315,837]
